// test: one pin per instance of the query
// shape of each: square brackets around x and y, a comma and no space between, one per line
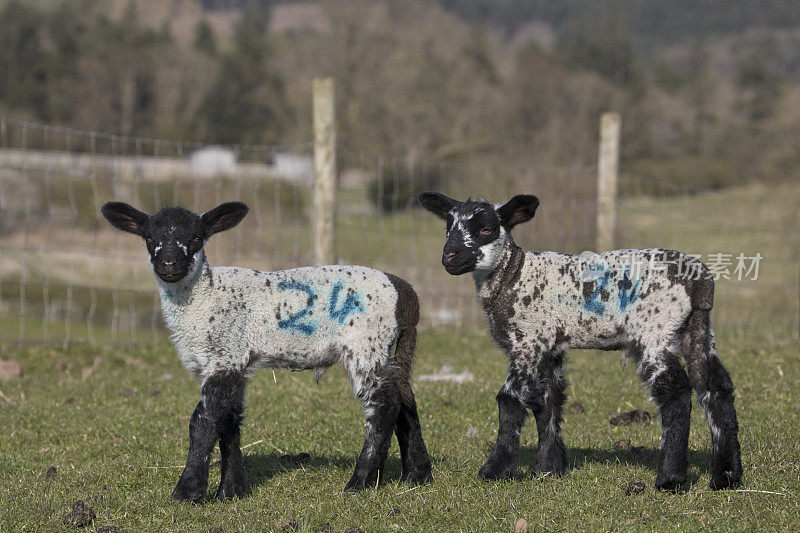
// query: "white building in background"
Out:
[294,167]
[213,161]
[204,163]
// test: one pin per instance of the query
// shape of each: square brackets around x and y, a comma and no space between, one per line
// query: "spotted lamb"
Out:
[647,303]
[228,322]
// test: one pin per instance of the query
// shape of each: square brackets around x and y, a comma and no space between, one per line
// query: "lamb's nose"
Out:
[168,263]
[449,256]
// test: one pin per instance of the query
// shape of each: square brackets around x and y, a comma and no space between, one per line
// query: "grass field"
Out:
[114,424]
[113,421]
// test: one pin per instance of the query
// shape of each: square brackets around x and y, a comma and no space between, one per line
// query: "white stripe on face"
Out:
[183,247]
[459,224]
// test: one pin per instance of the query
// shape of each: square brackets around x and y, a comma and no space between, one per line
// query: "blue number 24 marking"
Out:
[592,302]
[338,313]
[293,322]
[628,294]
[350,305]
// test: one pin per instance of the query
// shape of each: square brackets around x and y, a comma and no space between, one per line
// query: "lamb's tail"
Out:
[407,316]
[706,372]
[404,355]
[697,336]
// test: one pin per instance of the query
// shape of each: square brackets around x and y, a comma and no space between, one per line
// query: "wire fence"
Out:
[746,236]
[67,276]
[380,223]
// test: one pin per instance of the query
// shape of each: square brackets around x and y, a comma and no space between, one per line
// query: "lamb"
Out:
[539,304]
[228,322]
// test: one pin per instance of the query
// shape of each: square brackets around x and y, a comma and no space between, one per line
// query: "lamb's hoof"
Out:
[184,493]
[496,472]
[670,483]
[548,472]
[418,476]
[725,480]
[357,484]
[230,490]
[551,469]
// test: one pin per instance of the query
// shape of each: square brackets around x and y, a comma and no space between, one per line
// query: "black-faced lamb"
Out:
[228,322]
[653,304]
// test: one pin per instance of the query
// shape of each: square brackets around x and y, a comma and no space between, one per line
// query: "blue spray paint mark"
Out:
[350,305]
[592,302]
[628,296]
[293,322]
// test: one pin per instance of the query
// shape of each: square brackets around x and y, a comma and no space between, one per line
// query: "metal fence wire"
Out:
[67,276]
[381,224]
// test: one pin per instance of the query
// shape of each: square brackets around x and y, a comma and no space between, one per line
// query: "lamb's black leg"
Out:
[551,455]
[413,453]
[502,462]
[218,393]
[726,460]
[381,407]
[671,392]
[233,483]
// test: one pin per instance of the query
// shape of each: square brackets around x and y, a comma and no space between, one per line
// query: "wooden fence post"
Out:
[607,174]
[323,217]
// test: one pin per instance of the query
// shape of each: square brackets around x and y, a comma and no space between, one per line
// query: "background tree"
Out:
[204,39]
[759,81]
[23,60]
[246,103]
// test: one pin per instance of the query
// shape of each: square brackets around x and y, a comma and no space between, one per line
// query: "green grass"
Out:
[114,423]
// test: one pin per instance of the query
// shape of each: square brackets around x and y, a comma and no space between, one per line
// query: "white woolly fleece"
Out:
[240,320]
[557,307]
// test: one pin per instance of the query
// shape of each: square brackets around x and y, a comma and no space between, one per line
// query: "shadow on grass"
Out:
[636,456]
[260,468]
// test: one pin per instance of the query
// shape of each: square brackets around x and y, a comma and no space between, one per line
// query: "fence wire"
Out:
[381,224]
[746,235]
[67,276]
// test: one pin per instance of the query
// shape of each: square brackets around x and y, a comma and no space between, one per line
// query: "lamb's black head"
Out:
[174,236]
[477,230]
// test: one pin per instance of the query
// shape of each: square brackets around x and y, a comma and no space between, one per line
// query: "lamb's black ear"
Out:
[224,216]
[123,216]
[520,208]
[436,203]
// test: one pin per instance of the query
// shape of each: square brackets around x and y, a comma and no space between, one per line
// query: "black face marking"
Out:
[470,226]
[173,236]
[475,224]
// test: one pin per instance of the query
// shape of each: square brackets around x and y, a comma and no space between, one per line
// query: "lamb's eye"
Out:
[196,241]
[487,231]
